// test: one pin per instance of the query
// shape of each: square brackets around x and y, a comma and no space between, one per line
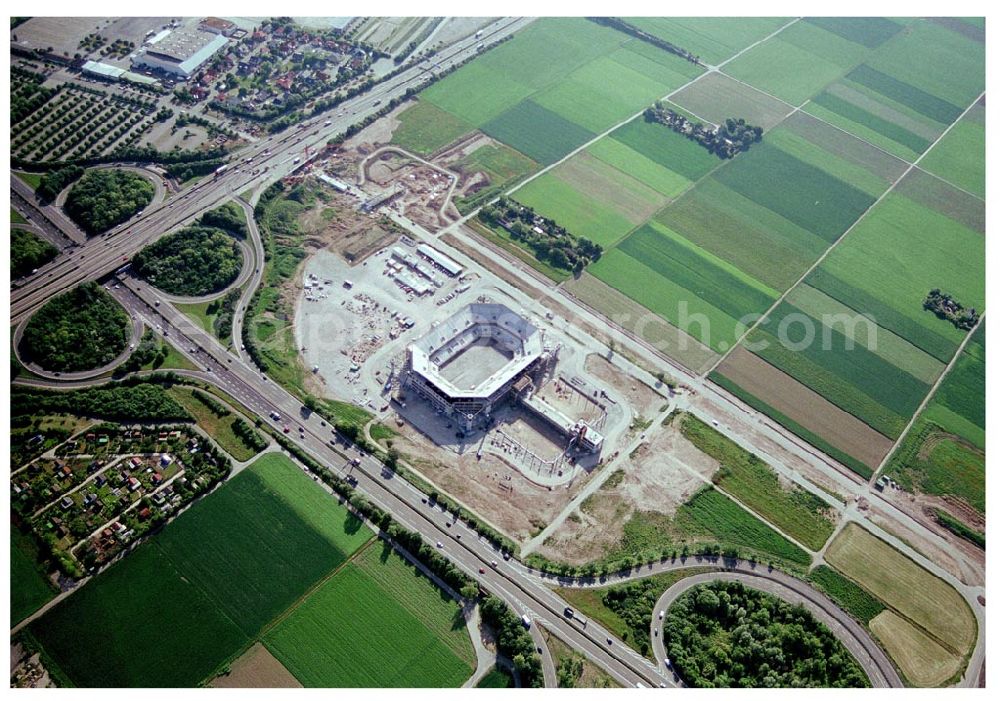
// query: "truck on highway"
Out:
[479,33]
[221,169]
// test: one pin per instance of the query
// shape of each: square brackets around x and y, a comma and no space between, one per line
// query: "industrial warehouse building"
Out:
[180,52]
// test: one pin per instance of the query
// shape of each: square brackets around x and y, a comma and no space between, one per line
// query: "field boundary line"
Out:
[841,238]
[598,137]
[910,164]
[927,399]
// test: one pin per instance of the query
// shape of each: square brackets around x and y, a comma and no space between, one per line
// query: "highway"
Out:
[258,165]
[263,162]
[508,579]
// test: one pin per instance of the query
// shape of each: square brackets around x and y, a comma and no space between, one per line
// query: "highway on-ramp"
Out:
[265,161]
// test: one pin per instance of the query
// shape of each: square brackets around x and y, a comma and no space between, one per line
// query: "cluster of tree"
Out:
[228,217]
[630,29]
[117,401]
[549,242]
[81,329]
[149,351]
[634,602]
[947,307]
[223,310]
[132,154]
[185,171]
[724,634]
[55,181]
[195,261]
[213,405]
[106,197]
[27,93]
[569,671]
[28,251]
[732,137]
[246,433]
[513,640]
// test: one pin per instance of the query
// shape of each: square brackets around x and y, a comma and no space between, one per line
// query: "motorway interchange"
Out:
[265,162]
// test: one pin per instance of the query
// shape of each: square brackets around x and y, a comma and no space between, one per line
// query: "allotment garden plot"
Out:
[246,564]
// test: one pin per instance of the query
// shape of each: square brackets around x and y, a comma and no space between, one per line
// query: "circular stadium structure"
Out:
[470,362]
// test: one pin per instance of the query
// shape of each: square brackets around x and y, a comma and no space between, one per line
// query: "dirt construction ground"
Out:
[662,474]
[490,487]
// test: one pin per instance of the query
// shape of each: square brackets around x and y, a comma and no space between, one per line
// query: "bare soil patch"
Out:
[256,669]
[661,475]
[644,400]
[493,489]
[805,407]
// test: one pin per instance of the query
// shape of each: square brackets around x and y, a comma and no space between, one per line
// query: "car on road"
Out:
[286,429]
[661,614]
[568,612]
[482,570]
[440,544]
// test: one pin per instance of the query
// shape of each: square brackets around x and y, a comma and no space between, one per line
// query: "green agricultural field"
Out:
[713,39]
[608,90]
[878,131]
[537,132]
[818,157]
[848,595]
[374,625]
[667,148]
[559,82]
[713,513]
[870,32]
[747,478]
[743,233]
[140,624]
[927,249]
[839,366]
[591,199]
[844,146]
[676,280]
[262,541]
[931,191]
[796,190]
[501,164]
[864,332]
[708,518]
[852,463]
[944,451]
[581,215]
[424,128]
[937,62]
[717,97]
[797,63]
[960,157]
[30,588]
[639,166]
